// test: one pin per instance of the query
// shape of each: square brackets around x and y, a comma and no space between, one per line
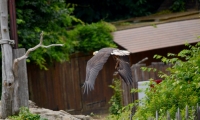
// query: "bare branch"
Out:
[32,49]
[51,45]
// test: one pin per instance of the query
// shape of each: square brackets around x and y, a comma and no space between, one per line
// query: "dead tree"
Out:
[14,86]
[7,62]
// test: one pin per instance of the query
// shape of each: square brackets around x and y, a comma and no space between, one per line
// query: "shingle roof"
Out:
[159,36]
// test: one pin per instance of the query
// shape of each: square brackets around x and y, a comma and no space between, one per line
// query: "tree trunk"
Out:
[7,62]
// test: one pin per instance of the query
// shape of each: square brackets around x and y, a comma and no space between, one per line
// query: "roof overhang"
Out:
[159,36]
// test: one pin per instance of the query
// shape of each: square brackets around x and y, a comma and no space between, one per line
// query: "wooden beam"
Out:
[13,25]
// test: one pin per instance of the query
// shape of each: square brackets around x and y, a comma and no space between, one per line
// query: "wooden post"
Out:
[20,94]
[168,116]
[7,62]
[157,115]
[186,113]
[13,25]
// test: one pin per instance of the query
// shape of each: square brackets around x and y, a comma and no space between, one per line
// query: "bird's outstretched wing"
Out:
[94,65]
[124,70]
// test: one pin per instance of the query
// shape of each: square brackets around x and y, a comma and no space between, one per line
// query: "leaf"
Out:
[157,56]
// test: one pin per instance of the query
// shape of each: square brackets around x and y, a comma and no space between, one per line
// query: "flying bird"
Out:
[95,64]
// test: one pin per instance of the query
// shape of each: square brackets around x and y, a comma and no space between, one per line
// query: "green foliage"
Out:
[178,89]
[91,11]
[25,114]
[53,17]
[60,27]
[163,12]
[119,114]
[125,115]
[117,111]
[92,37]
[116,99]
[178,6]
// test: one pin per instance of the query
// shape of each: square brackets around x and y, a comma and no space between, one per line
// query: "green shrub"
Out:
[52,17]
[117,111]
[91,37]
[178,6]
[116,99]
[180,88]
[56,19]
[25,114]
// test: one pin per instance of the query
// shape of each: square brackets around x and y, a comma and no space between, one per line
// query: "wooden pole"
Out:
[7,62]
[13,25]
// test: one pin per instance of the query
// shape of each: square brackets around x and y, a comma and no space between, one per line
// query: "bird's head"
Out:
[94,53]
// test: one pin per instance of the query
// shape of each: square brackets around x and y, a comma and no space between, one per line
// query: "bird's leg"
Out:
[117,61]
[117,64]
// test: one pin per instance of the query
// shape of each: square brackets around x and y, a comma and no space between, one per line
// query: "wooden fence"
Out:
[59,88]
[194,115]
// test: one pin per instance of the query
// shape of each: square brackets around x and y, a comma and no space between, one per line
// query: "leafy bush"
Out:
[52,17]
[90,37]
[125,115]
[178,6]
[25,114]
[178,89]
[116,99]
[91,11]
[117,111]
[60,26]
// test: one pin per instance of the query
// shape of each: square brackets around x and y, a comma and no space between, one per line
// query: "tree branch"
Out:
[30,50]
[44,46]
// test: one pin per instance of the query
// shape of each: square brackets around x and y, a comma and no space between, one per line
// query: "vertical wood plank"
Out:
[168,116]
[157,115]
[186,113]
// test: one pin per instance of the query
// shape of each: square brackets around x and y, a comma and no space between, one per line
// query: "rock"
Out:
[83,117]
[69,118]
[53,115]
[64,112]
[32,104]
[39,110]
[57,115]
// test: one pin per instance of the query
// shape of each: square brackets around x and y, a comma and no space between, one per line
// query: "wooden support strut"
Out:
[6,41]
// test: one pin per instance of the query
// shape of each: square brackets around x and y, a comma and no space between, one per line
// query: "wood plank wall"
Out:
[59,88]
